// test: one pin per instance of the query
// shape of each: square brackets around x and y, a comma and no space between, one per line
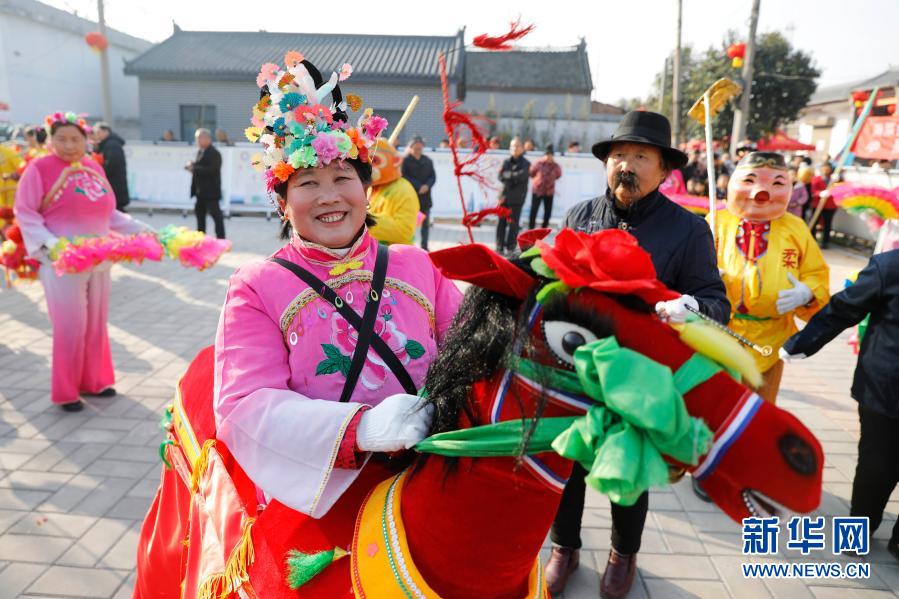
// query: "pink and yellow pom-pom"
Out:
[192,248]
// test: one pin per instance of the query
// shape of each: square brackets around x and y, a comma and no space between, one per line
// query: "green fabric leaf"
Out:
[331,351]
[414,349]
[540,267]
[531,252]
[303,567]
[553,288]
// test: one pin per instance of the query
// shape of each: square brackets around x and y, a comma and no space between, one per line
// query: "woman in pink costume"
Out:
[319,354]
[66,194]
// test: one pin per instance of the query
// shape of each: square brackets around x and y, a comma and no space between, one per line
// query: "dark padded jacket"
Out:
[875,384]
[679,242]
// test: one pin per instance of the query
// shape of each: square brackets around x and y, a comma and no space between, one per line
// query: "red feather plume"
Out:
[501,42]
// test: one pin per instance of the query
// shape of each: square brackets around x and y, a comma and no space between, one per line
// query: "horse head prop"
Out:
[557,356]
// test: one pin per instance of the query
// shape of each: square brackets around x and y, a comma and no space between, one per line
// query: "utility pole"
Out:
[104,66]
[662,85]
[741,114]
[675,85]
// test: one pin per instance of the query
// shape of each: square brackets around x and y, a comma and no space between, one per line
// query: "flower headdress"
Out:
[300,127]
[67,118]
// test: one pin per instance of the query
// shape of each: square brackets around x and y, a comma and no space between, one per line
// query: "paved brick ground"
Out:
[74,488]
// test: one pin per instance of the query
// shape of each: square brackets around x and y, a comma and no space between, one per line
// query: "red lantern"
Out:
[859,96]
[891,109]
[736,52]
[97,41]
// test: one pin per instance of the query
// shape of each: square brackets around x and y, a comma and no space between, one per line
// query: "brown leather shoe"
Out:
[619,575]
[563,561]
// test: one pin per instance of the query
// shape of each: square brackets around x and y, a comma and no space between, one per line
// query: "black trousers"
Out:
[425,228]
[201,207]
[826,226]
[627,522]
[536,200]
[506,232]
[877,472]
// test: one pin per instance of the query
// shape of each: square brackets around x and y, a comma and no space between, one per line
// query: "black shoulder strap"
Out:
[354,320]
[367,330]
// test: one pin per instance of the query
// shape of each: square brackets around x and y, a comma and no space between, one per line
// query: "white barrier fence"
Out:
[157,178]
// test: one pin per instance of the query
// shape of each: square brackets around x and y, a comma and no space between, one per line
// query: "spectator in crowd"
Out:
[168,135]
[545,172]
[721,186]
[695,168]
[111,146]
[529,145]
[697,187]
[206,183]
[799,197]
[513,174]
[875,383]
[493,143]
[805,174]
[574,147]
[821,193]
[444,143]
[221,137]
[36,139]
[744,148]
[418,170]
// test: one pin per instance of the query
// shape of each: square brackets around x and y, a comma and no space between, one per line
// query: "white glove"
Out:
[790,357]
[43,253]
[795,297]
[398,422]
[676,310]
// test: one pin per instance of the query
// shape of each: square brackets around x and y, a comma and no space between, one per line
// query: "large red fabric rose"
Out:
[608,261]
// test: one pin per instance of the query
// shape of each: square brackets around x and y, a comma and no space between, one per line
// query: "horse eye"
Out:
[563,338]
[798,454]
[572,340]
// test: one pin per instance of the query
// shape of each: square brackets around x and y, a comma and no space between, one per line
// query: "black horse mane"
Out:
[488,329]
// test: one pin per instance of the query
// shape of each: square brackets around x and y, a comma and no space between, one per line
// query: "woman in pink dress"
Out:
[320,352]
[66,194]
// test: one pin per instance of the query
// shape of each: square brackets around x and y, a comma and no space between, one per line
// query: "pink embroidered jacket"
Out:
[56,198]
[282,353]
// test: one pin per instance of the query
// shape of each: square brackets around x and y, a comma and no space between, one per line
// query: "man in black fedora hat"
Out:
[638,159]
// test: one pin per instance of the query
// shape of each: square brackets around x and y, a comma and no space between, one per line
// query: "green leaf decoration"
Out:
[331,351]
[344,364]
[328,366]
[414,349]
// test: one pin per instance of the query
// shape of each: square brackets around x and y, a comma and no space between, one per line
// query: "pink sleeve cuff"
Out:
[347,456]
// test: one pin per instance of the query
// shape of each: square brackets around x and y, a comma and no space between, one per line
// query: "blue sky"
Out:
[627,40]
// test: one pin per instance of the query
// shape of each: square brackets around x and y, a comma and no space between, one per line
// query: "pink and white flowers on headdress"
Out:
[295,121]
[68,118]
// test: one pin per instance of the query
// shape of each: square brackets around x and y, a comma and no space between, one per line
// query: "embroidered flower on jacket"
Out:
[338,353]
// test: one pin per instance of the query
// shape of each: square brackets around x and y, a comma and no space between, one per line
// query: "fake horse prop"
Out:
[555,356]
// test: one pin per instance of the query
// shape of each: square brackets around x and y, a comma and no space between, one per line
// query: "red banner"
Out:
[878,139]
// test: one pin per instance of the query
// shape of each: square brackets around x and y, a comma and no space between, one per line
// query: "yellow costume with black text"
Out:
[754,259]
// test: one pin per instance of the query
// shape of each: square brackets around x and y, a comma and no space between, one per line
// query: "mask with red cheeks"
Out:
[759,189]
